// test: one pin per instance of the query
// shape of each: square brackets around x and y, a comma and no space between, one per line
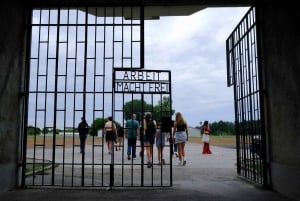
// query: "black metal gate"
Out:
[243,73]
[74,55]
[138,91]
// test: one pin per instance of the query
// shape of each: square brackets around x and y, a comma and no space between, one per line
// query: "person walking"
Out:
[160,140]
[205,138]
[150,127]
[83,129]
[132,131]
[110,133]
[180,133]
[164,130]
[171,140]
[120,131]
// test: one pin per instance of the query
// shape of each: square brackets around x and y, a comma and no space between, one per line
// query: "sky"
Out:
[194,49]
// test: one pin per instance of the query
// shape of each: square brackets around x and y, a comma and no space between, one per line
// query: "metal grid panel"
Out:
[74,52]
[145,91]
[243,74]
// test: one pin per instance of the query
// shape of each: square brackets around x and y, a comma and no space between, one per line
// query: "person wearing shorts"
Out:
[180,133]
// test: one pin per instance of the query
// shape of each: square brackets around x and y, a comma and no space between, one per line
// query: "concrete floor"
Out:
[205,177]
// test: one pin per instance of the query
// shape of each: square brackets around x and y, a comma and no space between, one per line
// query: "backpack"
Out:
[151,130]
[120,131]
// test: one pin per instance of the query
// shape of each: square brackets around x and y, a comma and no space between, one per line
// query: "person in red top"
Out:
[205,139]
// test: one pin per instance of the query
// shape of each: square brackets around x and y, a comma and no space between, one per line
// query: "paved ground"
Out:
[205,177]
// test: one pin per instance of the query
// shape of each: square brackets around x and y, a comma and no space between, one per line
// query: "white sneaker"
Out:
[180,163]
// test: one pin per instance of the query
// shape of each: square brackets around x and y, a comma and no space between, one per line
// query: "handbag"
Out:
[205,138]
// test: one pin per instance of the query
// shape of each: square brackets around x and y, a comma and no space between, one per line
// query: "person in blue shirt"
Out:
[132,131]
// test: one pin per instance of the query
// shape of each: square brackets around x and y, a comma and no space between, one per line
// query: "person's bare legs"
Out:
[159,152]
[148,148]
[179,149]
[109,146]
[183,153]
[162,155]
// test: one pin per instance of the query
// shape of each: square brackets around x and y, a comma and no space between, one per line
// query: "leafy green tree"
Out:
[97,125]
[135,106]
[31,130]
[163,108]
[45,130]
[56,131]
[222,128]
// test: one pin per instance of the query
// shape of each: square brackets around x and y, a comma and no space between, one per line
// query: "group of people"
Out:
[148,132]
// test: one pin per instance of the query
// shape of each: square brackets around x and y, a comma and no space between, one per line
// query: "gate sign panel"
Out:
[129,80]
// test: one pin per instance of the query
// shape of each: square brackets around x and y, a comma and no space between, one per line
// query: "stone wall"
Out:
[281,71]
[12,37]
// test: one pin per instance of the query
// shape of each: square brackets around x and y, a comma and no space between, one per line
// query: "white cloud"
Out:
[193,48]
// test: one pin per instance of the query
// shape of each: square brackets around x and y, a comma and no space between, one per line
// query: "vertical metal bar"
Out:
[122,65]
[74,100]
[84,89]
[171,144]
[67,60]
[94,100]
[45,101]
[64,110]
[111,178]
[241,98]
[36,100]
[75,92]
[151,145]
[55,104]
[142,64]
[103,87]
[234,80]
[265,160]
[142,141]
[26,97]
[122,40]
[142,36]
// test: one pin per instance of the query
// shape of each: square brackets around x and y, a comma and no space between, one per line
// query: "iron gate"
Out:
[243,73]
[74,53]
[138,91]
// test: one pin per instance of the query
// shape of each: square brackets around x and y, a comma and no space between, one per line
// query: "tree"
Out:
[222,128]
[163,108]
[97,125]
[45,130]
[135,107]
[31,130]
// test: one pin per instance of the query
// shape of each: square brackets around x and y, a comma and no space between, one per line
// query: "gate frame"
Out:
[83,110]
[251,147]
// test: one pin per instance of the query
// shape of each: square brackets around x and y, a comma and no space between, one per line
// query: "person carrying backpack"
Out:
[120,131]
[149,126]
